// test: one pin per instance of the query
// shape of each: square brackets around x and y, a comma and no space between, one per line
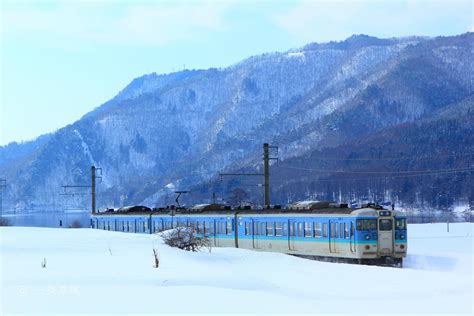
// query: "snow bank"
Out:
[90,271]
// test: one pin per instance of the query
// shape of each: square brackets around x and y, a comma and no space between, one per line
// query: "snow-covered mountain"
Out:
[179,130]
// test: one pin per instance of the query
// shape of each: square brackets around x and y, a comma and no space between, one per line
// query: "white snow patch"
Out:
[295,54]
[91,271]
[170,186]
[85,147]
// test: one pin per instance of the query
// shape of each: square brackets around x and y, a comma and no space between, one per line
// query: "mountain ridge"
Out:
[184,128]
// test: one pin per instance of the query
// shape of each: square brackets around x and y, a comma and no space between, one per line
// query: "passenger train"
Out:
[335,232]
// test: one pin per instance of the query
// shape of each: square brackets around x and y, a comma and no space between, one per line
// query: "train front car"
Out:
[381,236]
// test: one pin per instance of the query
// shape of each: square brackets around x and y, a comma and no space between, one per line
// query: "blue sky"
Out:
[61,59]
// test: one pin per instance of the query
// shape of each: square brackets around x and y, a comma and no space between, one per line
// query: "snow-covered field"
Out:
[89,271]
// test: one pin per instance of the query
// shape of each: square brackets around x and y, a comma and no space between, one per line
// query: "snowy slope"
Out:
[187,127]
[91,271]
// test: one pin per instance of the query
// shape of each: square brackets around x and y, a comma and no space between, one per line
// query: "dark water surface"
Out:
[48,219]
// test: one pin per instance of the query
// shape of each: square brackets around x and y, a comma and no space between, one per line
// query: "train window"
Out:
[308,230]
[262,229]
[341,230]
[292,229]
[229,228]
[400,223]
[220,228]
[300,229]
[199,227]
[207,228]
[352,229]
[386,224]
[285,229]
[366,224]
[278,229]
[247,228]
[346,230]
[325,229]
[333,228]
[317,230]
[269,228]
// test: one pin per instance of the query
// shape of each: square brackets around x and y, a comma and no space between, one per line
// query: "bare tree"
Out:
[157,260]
[185,238]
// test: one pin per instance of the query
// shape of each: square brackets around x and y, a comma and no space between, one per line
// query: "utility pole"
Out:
[173,211]
[93,184]
[3,184]
[93,188]
[177,197]
[265,174]
[96,174]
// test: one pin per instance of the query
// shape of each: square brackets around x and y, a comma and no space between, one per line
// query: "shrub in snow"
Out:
[43,263]
[185,238]
[76,224]
[156,264]
[4,222]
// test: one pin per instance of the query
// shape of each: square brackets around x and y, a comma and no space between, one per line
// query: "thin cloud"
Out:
[146,23]
[336,20]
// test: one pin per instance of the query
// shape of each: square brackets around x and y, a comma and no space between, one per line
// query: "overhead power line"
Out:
[391,158]
[380,178]
[380,172]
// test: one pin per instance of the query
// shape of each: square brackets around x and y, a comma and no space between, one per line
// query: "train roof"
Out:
[304,207]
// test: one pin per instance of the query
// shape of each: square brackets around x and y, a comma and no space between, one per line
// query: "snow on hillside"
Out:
[90,271]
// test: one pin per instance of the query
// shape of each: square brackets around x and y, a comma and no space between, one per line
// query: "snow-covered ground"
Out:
[90,271]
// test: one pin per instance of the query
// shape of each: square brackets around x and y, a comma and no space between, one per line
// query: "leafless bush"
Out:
[43,263]
[185,238]
[157,260]
[75,224]
[4,222]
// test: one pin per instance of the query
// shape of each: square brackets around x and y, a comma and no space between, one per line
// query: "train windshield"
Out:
[385,224]
[401,223]
[366,224]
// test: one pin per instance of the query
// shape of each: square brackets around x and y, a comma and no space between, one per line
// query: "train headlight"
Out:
[402,236]
[367,237]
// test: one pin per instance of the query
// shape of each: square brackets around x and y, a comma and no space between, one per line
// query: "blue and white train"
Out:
[370,235]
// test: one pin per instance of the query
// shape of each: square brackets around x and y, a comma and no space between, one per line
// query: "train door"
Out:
[254,234]
[291,234]
[385,236]
[333,233]
[220,230]
[352,237]
[214,223]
